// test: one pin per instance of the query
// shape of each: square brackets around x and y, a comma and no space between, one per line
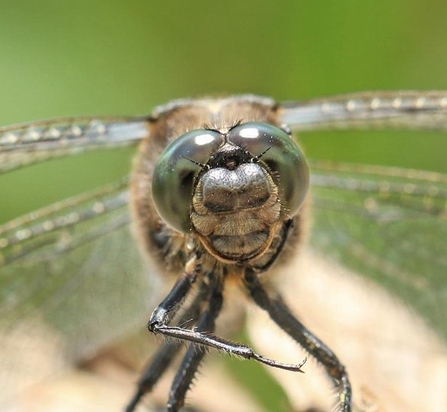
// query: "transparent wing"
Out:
[371,110]
[391,225]
[71,281]
[22,145]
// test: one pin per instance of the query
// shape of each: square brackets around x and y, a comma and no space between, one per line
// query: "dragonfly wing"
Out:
[71,281]
[370,110]
[390,224]
[35,142]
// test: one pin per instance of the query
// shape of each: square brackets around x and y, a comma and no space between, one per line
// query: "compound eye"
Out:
[273,147]
[175,172]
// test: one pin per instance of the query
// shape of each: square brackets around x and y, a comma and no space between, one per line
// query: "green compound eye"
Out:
[285,160]
[174,174]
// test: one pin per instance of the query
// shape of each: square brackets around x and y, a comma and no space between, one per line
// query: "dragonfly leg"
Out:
[195,353]
[202,336]
[153,372]
[170,305]
[166,354]
[282,316]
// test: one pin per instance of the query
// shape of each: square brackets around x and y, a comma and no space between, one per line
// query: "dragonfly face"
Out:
[217,193]
[231,186]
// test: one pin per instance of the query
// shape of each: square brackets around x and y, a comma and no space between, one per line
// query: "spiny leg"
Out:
[163,314]
[195,353]
[153,372]
[282,316]
[170,305]
[165,355]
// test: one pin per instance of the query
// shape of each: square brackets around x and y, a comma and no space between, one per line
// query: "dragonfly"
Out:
[218,196]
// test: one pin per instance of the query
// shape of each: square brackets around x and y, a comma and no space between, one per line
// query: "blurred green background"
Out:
[67,58]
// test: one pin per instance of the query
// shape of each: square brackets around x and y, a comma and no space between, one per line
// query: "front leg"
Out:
[163,314]
[282,316]
[166,354]
[195,353]
[170,305]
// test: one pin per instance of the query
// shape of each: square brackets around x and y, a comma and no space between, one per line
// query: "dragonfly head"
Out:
[234,189]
